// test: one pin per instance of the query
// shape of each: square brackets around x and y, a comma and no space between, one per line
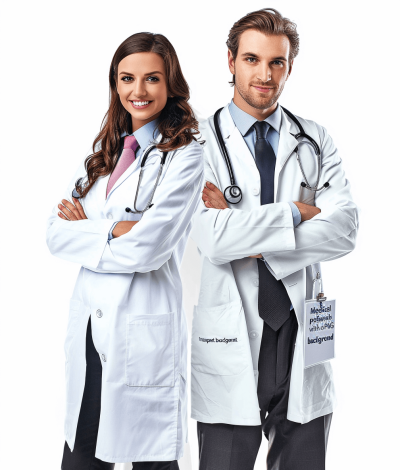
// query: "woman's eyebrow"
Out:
[149,73]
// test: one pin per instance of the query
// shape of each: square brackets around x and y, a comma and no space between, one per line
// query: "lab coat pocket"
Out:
[219,339]
[150,350]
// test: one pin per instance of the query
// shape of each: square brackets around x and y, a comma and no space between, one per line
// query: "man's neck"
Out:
[259,114]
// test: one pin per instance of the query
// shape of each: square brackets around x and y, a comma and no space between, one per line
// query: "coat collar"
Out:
[287,142]
[133,167]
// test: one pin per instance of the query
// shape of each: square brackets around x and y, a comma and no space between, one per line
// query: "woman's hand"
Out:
[123,227]
[69,211]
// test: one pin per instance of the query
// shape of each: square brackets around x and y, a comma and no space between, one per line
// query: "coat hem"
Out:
[139,458]
[306,418]
[215,420]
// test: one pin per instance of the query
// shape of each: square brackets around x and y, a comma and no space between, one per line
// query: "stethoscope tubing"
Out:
[149,204]
[297,136]
[160,170]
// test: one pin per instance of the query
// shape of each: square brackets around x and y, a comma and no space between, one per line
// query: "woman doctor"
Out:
[126,339]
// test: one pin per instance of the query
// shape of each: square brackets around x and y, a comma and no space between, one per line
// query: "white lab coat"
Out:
[224,376]
[132,290]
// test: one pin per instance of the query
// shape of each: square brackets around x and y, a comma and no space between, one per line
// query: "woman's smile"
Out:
[140,104]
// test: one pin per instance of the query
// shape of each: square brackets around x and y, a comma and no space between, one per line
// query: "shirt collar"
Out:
[146,134]
[244,121]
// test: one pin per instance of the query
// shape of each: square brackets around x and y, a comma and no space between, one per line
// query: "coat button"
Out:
[109,216]
[99,313]
[103,356]
[256,281]
[253,334]
[256,191]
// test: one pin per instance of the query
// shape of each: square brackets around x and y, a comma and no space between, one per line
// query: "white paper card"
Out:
[319,332]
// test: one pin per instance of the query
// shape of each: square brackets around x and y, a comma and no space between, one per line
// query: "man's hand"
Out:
[213,198]
[69,211]
[123,227]
[307,212]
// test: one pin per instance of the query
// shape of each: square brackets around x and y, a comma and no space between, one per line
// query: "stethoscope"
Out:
[233,194]
[149,204]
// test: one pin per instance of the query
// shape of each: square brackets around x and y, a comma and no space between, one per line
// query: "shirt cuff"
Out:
[295,213]
[110,235]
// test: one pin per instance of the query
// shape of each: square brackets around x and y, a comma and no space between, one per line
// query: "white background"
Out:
[54,93]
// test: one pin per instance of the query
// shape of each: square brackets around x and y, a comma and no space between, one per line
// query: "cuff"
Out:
[110,235]
[295,214]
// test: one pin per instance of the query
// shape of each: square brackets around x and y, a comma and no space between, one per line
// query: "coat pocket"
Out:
[150,350]
[219,337]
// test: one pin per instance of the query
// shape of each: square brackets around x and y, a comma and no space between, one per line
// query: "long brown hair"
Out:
[268,21]
[177,123]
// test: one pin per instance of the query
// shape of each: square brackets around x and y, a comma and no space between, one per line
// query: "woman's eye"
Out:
[153,79]
[126,79]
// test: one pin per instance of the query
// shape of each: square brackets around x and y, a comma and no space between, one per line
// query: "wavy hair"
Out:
[177,122]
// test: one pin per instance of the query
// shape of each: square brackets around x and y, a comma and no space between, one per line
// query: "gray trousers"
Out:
[291,446]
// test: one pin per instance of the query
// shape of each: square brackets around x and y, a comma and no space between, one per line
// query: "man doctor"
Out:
[259,257]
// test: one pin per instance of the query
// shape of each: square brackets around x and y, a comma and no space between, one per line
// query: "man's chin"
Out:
[258,103]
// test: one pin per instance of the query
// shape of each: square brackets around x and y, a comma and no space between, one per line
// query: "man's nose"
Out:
[264,72]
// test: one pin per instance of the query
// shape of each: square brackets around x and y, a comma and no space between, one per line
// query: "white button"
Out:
[256,191]
[99,313]
[253,334]
[104,357]
[255,281]
[109,216]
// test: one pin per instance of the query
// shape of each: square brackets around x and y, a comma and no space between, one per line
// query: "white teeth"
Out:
[141,103]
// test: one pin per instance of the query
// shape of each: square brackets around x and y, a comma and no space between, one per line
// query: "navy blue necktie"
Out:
[273,300]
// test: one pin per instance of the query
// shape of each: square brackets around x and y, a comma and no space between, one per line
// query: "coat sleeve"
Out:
[225,235]
[330,234]
[81,241]
[150,243]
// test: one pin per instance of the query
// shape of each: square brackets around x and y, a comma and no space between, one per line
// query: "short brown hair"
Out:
[268,21]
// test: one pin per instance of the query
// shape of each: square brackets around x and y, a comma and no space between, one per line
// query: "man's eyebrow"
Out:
[252,54]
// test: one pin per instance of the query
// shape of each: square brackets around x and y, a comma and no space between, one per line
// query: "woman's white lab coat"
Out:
[132,290]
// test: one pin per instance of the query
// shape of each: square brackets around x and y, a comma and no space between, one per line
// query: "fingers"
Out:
[62,216]
[212,201]
[69,210]
[213,197]
[211,186]
[80,208]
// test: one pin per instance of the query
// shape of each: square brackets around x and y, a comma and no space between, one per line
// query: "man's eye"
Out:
[251,60]
[278,62]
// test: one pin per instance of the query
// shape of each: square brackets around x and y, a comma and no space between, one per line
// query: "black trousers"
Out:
[291,446]
[82,458]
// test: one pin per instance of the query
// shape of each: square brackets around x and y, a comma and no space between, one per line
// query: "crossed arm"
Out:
[214,199]
[72,212]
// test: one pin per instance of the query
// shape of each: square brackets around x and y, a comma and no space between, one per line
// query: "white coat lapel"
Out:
[133,167]
[235,144]
[287,144]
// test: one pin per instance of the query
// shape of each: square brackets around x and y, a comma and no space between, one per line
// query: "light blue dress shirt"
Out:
[145,136]
[244,122]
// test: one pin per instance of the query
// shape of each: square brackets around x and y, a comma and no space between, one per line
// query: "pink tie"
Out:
[125,161]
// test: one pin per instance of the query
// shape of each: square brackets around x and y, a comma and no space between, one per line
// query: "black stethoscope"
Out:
[233,194]
[149,204]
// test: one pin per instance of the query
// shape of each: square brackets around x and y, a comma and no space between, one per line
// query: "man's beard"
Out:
[258,103]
